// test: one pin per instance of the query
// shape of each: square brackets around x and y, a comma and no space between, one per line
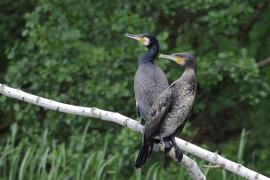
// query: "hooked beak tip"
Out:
[170,57]
[130,35]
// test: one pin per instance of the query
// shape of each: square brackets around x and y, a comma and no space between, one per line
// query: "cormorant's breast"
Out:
[183,92]
[149,82]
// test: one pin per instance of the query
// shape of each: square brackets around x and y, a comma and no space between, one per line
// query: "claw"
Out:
[178,155]
[168,147]
[177,150]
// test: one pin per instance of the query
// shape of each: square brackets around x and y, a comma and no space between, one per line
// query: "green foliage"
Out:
[48,159]
[75,52]
[10,27]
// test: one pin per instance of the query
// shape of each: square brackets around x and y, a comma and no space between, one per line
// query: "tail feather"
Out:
[144,153]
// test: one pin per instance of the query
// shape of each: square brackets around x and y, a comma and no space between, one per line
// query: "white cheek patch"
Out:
[146,41]
[182,63]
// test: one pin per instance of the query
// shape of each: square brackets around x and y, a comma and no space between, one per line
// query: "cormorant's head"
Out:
[184,59]
[145,39]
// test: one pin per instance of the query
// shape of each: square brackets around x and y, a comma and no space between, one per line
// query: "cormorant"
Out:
[149,81]
[169,112]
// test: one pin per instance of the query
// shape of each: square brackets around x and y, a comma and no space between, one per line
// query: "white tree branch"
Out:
[189,164]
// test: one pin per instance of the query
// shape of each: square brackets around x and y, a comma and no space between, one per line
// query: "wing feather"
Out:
[157,113]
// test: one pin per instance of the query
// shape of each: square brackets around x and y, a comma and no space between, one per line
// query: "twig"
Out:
[244,30]
[261,6]
[264,62]
[190,165]
[220,161]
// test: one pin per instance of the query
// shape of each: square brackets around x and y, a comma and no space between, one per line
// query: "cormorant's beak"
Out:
[137,37]
[174,58]
[171,57]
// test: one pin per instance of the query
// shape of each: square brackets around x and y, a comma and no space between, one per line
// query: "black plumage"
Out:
[169,112]
[149,81]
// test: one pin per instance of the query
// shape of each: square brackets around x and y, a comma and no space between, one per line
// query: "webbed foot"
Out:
[177,150]
[168,147]
[178,155]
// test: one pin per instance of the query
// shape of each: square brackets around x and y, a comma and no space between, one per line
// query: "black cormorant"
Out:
[169,112]
[149,81]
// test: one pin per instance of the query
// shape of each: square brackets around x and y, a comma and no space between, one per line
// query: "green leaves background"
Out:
[75,52]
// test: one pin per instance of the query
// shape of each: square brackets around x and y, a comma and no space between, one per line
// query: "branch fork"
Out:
[188,163]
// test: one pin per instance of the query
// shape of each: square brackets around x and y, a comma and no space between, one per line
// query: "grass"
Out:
[51,161]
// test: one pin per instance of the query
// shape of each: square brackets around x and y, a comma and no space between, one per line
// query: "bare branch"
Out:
[244,30]
[220,161]
[264,62]
[189,164]
[261,6]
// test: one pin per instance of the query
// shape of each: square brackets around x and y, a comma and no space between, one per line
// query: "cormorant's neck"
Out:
[189,73]
[191,67]
[150,55]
